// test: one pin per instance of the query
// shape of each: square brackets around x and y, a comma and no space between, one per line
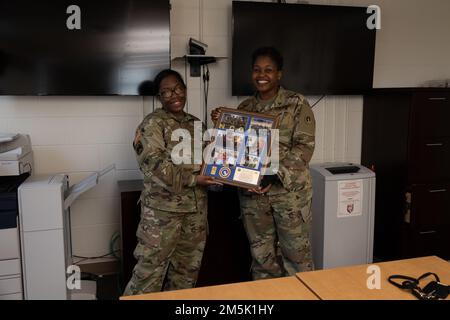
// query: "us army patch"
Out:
[307,122]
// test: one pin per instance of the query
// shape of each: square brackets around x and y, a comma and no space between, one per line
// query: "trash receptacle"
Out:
[343,209]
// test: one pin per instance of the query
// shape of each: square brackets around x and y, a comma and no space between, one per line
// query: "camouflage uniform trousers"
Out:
[278,228]
[169,251]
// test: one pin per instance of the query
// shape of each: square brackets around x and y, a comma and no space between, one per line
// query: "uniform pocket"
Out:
[149,231]
[305,205]
[294,205]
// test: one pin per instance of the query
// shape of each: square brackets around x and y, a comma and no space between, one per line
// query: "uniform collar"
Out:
[169,115]
[280,99]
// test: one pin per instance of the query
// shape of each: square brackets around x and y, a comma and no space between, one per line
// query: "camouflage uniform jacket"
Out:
[296,138]
[167,186]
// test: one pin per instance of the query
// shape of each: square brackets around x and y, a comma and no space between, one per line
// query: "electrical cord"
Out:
[112,251]
[186,80]
[318,101]
[113,244]
[206,92]
[115,237]
[83,258]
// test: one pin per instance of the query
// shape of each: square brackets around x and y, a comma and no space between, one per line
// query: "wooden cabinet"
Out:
[429,206]
[406,140]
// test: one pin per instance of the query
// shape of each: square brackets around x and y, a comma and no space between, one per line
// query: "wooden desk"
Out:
[350,283]
[289,288]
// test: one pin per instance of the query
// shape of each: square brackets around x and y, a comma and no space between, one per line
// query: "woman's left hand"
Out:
[259,190]
[266,189]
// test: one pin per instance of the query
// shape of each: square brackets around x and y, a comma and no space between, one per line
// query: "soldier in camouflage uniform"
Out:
[277,216]
[172,230]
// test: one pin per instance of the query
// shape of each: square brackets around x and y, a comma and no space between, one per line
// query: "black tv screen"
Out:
[119,45]
[326,49]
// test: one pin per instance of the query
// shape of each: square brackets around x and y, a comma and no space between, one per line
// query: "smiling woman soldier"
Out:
[172,231]
[277,216]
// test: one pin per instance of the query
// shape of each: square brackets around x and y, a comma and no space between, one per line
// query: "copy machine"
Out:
[16,156]
[10,266]
[16,164]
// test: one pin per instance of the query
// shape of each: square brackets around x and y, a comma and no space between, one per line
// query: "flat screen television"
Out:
[120,45]
[326,49]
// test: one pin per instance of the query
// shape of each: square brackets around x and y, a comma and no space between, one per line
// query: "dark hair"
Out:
[270,52]
[164,74]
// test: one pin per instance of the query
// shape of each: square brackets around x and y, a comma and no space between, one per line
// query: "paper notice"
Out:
[246,176]
[350,198]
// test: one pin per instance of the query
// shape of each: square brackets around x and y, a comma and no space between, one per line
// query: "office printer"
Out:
[16,164]
[16,156]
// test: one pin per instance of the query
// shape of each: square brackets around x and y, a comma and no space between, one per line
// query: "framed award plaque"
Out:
[241,148]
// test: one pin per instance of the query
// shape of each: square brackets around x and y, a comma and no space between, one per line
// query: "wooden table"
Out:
[350,283]
[289,288]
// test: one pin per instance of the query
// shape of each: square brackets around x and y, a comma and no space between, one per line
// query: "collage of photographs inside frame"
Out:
[231,135]
[234,122]
[257,140]
[224,156]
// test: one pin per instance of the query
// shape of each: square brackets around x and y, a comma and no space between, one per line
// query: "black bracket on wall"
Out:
[196,62]
[196,57]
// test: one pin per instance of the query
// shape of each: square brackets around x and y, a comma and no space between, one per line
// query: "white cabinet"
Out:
[9,244]
[10,266]
[10,285]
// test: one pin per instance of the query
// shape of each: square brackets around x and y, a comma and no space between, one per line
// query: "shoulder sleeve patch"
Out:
[307,120]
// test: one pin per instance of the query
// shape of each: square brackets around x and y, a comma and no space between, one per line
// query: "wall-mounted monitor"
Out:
[326,49]
[99,47]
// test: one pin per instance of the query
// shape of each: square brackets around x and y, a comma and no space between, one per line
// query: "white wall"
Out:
[78,135]
[413,45]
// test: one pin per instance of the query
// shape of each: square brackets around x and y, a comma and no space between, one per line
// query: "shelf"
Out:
[197,60]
